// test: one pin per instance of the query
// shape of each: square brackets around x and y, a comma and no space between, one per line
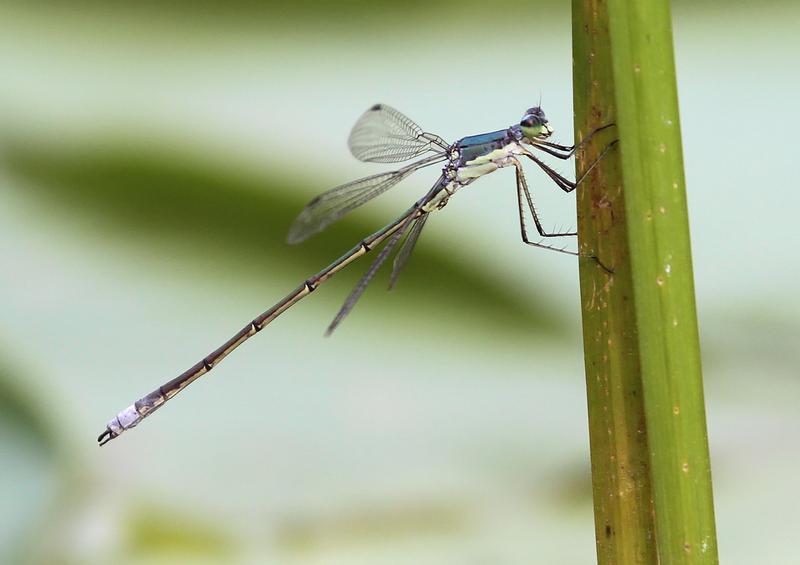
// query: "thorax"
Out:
[473,157]
[482,154]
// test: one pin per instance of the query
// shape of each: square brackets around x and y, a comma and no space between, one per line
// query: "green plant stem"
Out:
[624,520]
[650,467]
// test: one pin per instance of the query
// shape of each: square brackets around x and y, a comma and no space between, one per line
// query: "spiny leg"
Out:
[522,188]
[570,149]
[563,183]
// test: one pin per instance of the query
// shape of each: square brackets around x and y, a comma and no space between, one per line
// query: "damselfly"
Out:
[384,135]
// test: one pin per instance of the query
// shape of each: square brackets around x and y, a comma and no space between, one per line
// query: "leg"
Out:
[563,183]
[522,189]
[570,149]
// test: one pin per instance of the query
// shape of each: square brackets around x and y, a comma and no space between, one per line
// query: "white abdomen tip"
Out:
[126,419]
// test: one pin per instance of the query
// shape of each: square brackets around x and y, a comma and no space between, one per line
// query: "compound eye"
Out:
[529,121]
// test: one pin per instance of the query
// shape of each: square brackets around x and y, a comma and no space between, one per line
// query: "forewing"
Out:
[332,205]
[384,135]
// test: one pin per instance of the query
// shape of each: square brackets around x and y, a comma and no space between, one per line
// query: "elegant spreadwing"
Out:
[384,135]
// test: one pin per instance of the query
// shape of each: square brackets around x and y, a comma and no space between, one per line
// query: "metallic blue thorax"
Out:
[483,144]
[477,145]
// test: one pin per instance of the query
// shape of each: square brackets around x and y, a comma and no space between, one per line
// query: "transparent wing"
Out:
[394,240]
[359,289]
[405,250]
[332,205]
[384,135]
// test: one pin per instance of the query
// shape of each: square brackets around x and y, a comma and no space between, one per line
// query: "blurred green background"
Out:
[151,161]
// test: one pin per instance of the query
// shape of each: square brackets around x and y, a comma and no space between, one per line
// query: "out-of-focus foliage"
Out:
[20,411]
[29,455]
[158,533]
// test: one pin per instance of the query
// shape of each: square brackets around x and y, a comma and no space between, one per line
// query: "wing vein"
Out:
[384,135]
[332,205]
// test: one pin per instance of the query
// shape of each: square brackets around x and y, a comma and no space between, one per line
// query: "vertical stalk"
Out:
[623,506]
[650,468]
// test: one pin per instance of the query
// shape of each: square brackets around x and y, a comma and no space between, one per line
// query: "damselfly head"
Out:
[534,124]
